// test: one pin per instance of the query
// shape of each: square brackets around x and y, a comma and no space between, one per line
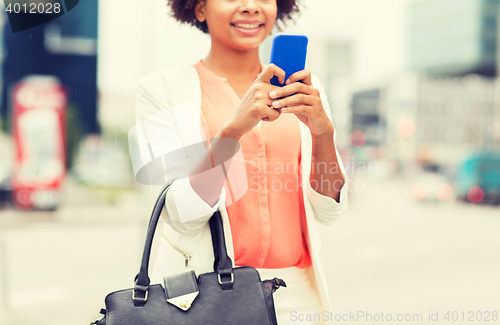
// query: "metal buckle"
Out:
[232,278]
[145,297]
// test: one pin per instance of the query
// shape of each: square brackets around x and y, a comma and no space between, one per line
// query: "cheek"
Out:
[270,27]
[271,15]
[218,17]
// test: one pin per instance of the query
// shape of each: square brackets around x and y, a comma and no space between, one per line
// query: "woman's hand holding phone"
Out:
[303,99]
[254,106]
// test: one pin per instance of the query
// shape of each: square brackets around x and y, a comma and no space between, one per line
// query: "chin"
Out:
[247,46]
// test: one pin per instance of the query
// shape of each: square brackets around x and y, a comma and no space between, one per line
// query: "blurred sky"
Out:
[135,40]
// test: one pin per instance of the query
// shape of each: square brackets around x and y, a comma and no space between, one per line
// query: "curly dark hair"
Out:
[183,11]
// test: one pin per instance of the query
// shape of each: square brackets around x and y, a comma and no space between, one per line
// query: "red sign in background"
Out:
[39,104]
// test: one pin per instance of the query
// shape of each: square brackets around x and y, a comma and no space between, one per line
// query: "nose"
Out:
[249,6]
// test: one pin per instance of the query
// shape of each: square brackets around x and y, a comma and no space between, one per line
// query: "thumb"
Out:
[271,71]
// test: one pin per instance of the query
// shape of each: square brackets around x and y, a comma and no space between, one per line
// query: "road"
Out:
[389,254]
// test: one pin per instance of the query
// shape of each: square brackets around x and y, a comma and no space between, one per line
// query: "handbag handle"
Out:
[222,262]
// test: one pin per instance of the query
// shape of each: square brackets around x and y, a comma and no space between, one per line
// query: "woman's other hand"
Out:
[303,99]
[254,106]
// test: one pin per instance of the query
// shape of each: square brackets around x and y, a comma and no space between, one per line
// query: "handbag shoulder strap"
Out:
[142,280]
[222,264]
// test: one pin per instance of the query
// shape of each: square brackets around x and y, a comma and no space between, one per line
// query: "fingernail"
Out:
[273,94]
[284,110]
[276,104]
[287,81]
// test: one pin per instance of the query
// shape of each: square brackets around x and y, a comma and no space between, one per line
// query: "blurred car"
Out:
[431,183]
[478,178]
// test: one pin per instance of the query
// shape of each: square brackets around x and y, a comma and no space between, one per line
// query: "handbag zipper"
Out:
[187,256]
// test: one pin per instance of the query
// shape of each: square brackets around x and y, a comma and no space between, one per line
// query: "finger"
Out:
[291,89]
[272,114]
[300,109]
[303,75]
[271,71]
[295,100]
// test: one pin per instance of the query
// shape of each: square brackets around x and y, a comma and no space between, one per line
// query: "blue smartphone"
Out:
[289,53]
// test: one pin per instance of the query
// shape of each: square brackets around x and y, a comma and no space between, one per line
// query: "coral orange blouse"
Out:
[267,221]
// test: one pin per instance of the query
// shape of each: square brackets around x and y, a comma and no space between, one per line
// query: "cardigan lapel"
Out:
[311,233]
[188,92]
[188,124]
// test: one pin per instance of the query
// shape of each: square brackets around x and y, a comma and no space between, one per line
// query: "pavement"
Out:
[389,254]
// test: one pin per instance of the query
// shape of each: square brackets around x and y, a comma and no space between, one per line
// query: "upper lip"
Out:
[246,21]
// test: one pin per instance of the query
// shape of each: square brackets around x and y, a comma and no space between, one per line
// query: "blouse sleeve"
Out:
[154,137]
[326,209]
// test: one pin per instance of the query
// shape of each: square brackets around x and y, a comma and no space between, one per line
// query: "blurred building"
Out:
[66,48]
[451,116]
[453,37]
[449,105]
[332,60]
[3,18]
[367,116]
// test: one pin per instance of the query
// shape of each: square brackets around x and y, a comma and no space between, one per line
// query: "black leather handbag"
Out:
[226,296]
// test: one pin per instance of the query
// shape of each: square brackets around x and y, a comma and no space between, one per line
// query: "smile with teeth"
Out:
[247,26]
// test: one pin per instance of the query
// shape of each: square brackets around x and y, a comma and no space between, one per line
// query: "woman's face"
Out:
[239,24]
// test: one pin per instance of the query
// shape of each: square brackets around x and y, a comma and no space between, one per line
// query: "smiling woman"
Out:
[226,100]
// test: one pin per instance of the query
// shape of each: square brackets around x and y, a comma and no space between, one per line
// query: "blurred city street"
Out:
[393,254]
[413,90]
[390,254]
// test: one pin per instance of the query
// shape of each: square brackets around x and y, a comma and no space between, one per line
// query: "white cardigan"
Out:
[168,105]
